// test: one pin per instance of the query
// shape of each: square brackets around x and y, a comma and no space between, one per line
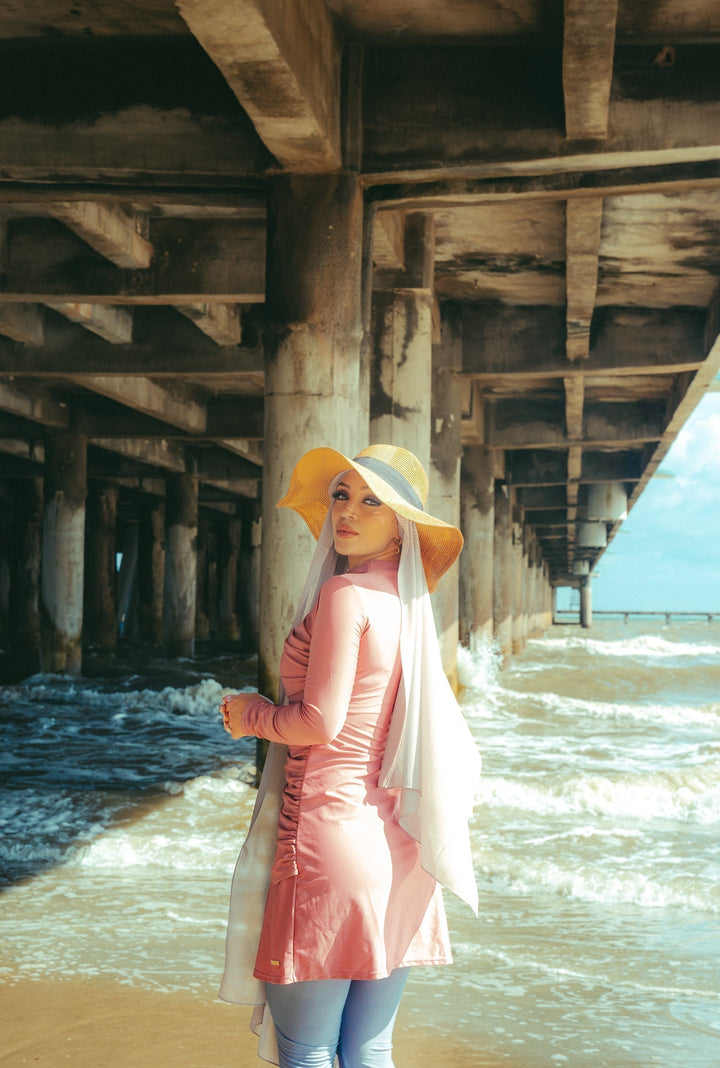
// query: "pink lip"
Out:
[345,532]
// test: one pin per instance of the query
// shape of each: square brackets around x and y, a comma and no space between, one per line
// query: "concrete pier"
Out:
[25,576]
[180,590]
[63,545]
[151,570]
[100,571]
[477,559]
[312,369]
[503,561]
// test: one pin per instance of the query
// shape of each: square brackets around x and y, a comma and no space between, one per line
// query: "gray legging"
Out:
[353,1019]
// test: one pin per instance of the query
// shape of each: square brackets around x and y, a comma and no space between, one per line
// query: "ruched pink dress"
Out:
[348,898]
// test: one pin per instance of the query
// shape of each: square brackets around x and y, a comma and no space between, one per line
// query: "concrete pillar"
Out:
[6,554]
[101,575]
[181,523]
[312,371]
[249,573]
[476,560]
[151,569]
[502,573]
[203,556]
[518,609]
[402,330]
[229,543]
[63,544]
[25,588]
[586,603]
[444,474]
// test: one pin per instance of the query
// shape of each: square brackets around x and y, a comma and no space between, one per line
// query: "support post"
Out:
[502,573]
[181,519]
[63,544]
[586,604]
[151,570]
[25,587]
[101,585]
[312,371]
[444,475]
[476,561]
[229,543]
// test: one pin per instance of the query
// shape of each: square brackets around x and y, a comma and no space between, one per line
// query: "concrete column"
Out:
[202,589]
[502,573]
[151,569]
[181,521]
[402,330]
[6,554]
[518,607]
[25,588]
[249,573]
[63,544]
[101,584]
[476,560]
[444,475]
[312,371]
[586,603]
[229,542]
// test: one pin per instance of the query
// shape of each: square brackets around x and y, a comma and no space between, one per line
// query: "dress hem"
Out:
[286,980]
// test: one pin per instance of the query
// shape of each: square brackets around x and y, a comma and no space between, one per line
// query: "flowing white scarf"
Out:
[430,756]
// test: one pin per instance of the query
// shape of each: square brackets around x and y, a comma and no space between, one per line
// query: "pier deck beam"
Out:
[179,603]
[63,544]
[312,372]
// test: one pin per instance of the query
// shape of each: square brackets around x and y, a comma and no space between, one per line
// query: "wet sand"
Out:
[84,1023]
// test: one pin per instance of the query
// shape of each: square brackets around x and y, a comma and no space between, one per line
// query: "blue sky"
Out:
[666,555]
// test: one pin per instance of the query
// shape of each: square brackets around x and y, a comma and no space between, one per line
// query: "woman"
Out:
[371,766]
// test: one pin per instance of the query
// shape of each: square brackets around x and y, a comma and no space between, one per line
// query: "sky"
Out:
[666,554]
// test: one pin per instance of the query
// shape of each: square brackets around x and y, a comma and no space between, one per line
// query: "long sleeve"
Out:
[337,628]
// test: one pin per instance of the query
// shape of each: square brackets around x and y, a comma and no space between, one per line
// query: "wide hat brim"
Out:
[308,495]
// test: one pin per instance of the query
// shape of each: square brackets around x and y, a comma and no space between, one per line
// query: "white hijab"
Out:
[430,756]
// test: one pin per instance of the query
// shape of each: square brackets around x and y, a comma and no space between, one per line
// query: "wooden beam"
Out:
[221,322]
[23,323]
[144,395]
[511,342]
[36,405]
[111,324]
[282,61]
[155,452]
[112,232]
[574,403]
[588,50]
[196,261]
[523,424]
[582,241]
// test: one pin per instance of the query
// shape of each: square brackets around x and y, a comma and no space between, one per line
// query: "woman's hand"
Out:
[231,707]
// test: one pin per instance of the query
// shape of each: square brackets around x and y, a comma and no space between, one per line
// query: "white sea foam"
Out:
[644,646]
[688,794]
[677,715]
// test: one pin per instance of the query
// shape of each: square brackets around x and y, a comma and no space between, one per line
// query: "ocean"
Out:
[596,840]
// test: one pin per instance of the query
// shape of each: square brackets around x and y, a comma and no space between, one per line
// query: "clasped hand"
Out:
[231,708]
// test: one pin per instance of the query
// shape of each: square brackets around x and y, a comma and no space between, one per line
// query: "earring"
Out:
[398,545]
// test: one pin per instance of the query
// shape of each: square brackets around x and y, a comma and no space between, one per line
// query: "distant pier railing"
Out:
[570,615]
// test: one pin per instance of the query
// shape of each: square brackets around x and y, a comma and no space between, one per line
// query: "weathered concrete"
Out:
[477,558]
[100,621]
[502,573]
[586,604]
[63,542]
[181,519]
[229,544]
[315,228]
[402,331]
[151,570]
[444,475]
[518,590]
[25,586]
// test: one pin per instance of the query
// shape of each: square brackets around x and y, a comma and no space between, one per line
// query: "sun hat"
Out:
[396,477]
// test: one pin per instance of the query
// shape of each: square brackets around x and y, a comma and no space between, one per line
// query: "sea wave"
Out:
[646,646]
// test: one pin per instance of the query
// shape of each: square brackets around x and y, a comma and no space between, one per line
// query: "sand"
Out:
[96,1024]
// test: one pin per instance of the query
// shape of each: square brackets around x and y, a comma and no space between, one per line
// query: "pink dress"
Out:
[348,898]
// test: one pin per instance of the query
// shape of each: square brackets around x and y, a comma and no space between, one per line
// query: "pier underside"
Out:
[231,230]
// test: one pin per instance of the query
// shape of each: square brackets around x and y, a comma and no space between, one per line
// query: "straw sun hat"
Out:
[396,477]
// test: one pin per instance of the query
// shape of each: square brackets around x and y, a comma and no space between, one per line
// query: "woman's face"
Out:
[363,527]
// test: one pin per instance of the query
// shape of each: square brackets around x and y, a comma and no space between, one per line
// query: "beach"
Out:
[123,808]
